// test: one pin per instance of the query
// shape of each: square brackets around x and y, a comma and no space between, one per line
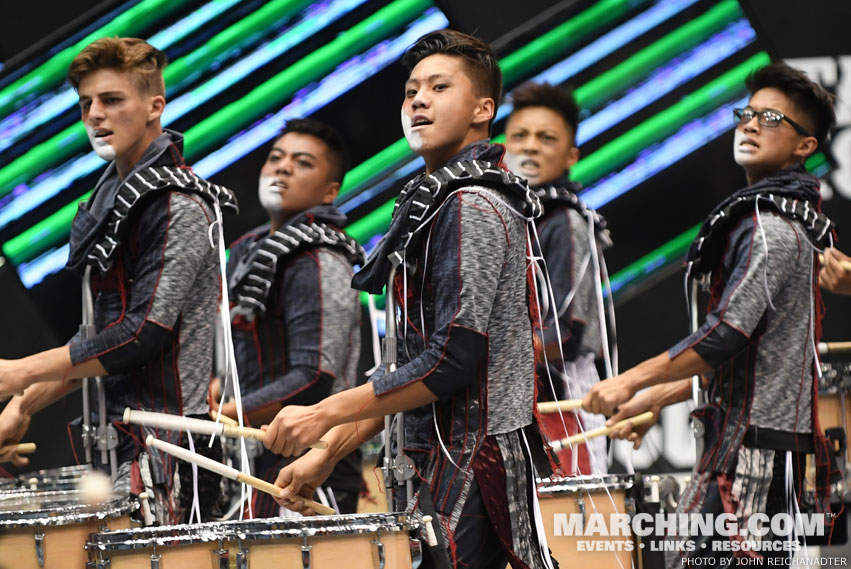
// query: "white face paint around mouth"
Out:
[741,150]
[415,141]
[515,165]
[100,146]
[270,194]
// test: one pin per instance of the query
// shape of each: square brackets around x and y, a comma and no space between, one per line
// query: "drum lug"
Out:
[156,560]
[580,504]
[380,547]
[222,555]
[416,552]
[305,554]
[100,564]
[39,546]
[242,558]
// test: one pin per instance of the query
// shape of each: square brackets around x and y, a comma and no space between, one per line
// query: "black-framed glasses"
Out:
[768,117]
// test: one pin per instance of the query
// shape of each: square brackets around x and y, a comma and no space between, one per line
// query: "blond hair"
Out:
[143,61]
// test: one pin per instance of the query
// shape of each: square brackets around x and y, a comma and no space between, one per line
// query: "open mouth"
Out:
[748,144]
[530,166]
[419,121]
[102,135]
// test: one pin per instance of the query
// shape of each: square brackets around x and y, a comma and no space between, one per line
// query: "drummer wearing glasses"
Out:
[756,346]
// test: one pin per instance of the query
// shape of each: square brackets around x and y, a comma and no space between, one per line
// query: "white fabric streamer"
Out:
[765,248]
[195,510]
[231,375]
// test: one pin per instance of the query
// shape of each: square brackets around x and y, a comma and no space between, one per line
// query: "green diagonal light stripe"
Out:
[53,71]
[562,38]
[45,233]
[663,256]
[312,67]
[177,75]
[620,150]
[537,52]
[599,89]
[376,221]
[248,30]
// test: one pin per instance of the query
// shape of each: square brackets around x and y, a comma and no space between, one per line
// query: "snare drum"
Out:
[62,478]
[582,496]
[359,541]
[49,529]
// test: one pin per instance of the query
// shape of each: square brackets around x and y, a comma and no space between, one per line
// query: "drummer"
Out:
[155,275]
[756,344]
[298,341]
[540,142]
[466,383]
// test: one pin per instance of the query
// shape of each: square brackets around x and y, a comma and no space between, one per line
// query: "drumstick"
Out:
[229,472]
[222,418]
[833,347]
[198,426]
[580,438]
[553,406]
[22,448]
[844,264]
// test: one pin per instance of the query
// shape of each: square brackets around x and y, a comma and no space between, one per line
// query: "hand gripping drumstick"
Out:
[554,406]
[22,448]
[232,473]
[845,264]
[580,438]
[198,426]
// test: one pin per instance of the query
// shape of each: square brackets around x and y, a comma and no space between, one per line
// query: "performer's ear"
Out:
[331,192]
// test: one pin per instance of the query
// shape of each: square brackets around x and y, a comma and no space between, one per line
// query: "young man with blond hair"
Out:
[142,244]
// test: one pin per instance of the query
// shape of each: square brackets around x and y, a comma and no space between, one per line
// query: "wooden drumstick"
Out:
[554,406]
[833,347]
[580,438]
[222,418]
[845,264]
[229,472]
[198,426]
[22,448]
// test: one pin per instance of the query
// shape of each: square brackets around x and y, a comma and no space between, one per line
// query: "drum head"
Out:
[586,483]
[27,508]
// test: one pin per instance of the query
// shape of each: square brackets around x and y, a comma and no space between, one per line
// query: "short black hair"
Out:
[339,153]
[482,66]
[809,97]
[557,99]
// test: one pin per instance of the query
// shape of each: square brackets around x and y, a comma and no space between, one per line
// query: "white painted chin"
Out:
[514,163]
[101,148]
[415,141]
[269,195]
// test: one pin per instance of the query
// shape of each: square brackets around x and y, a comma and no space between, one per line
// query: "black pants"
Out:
[476,544]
